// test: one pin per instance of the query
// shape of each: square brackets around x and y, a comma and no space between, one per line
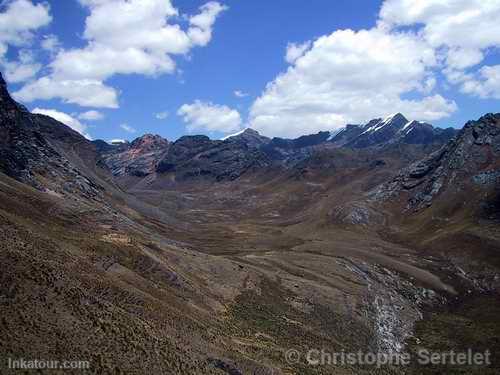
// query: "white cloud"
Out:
[200,30]
[66,119]
[240,94]
[87,93]
[486,84]
[202,116]
[140,40]
[462,29]
[470,24]
[351,77]
[161,115]
[50,43]
[461,58]
[16,72]
[17,24]
[20,19]
[128,128]
[126,37]
[22,69]
[294,51]
[91,116]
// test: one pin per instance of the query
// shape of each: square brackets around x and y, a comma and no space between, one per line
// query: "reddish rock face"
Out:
[149,143]
[138,158]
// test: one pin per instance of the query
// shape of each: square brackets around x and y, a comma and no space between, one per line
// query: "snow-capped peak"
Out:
[394,119]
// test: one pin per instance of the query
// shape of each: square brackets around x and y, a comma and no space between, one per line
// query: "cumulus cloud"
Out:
[470,24]
[20,19]
[200,30]
[462,30]
[294,51]
[124,37]
[17,24]
[128,128]
[350,76]
[462,58]
[84,92]
[66,119]
[23,69]
[485,84]
[202,116]
[50,43]
[91,116]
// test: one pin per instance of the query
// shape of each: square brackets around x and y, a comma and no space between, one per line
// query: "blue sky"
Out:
[244,48]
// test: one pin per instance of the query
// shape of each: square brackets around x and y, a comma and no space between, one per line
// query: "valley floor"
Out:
[229,278]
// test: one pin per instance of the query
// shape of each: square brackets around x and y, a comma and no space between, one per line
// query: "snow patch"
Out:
[235,134]
[334,133]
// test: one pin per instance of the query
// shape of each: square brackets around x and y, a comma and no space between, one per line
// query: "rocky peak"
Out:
[250,131]
[7,104]
[33,150]
[392,123]
[397,119]
[379,131]
[149,142]
[345,135]
[138,158]
[250,137]
[485,130]
[392,130]
[192,139]
[200,157]
[467,160]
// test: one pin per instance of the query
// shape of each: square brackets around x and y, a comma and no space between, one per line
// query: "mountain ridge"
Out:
[262,151]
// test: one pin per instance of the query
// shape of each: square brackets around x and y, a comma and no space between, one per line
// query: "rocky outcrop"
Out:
[139,158]
[356,213]
[189,156]
[346,135]
[395,129]
[379,131]
[198,156]
[289,152]
[30,150]
[472,157]
[251,138]
[418,132]
[9,108]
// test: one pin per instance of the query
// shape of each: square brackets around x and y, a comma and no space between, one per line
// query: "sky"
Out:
[117,69]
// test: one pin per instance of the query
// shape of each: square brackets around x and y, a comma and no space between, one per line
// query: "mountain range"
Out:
[201,256]
[247,151]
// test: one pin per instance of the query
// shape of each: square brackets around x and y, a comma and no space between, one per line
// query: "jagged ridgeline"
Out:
[195,157]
